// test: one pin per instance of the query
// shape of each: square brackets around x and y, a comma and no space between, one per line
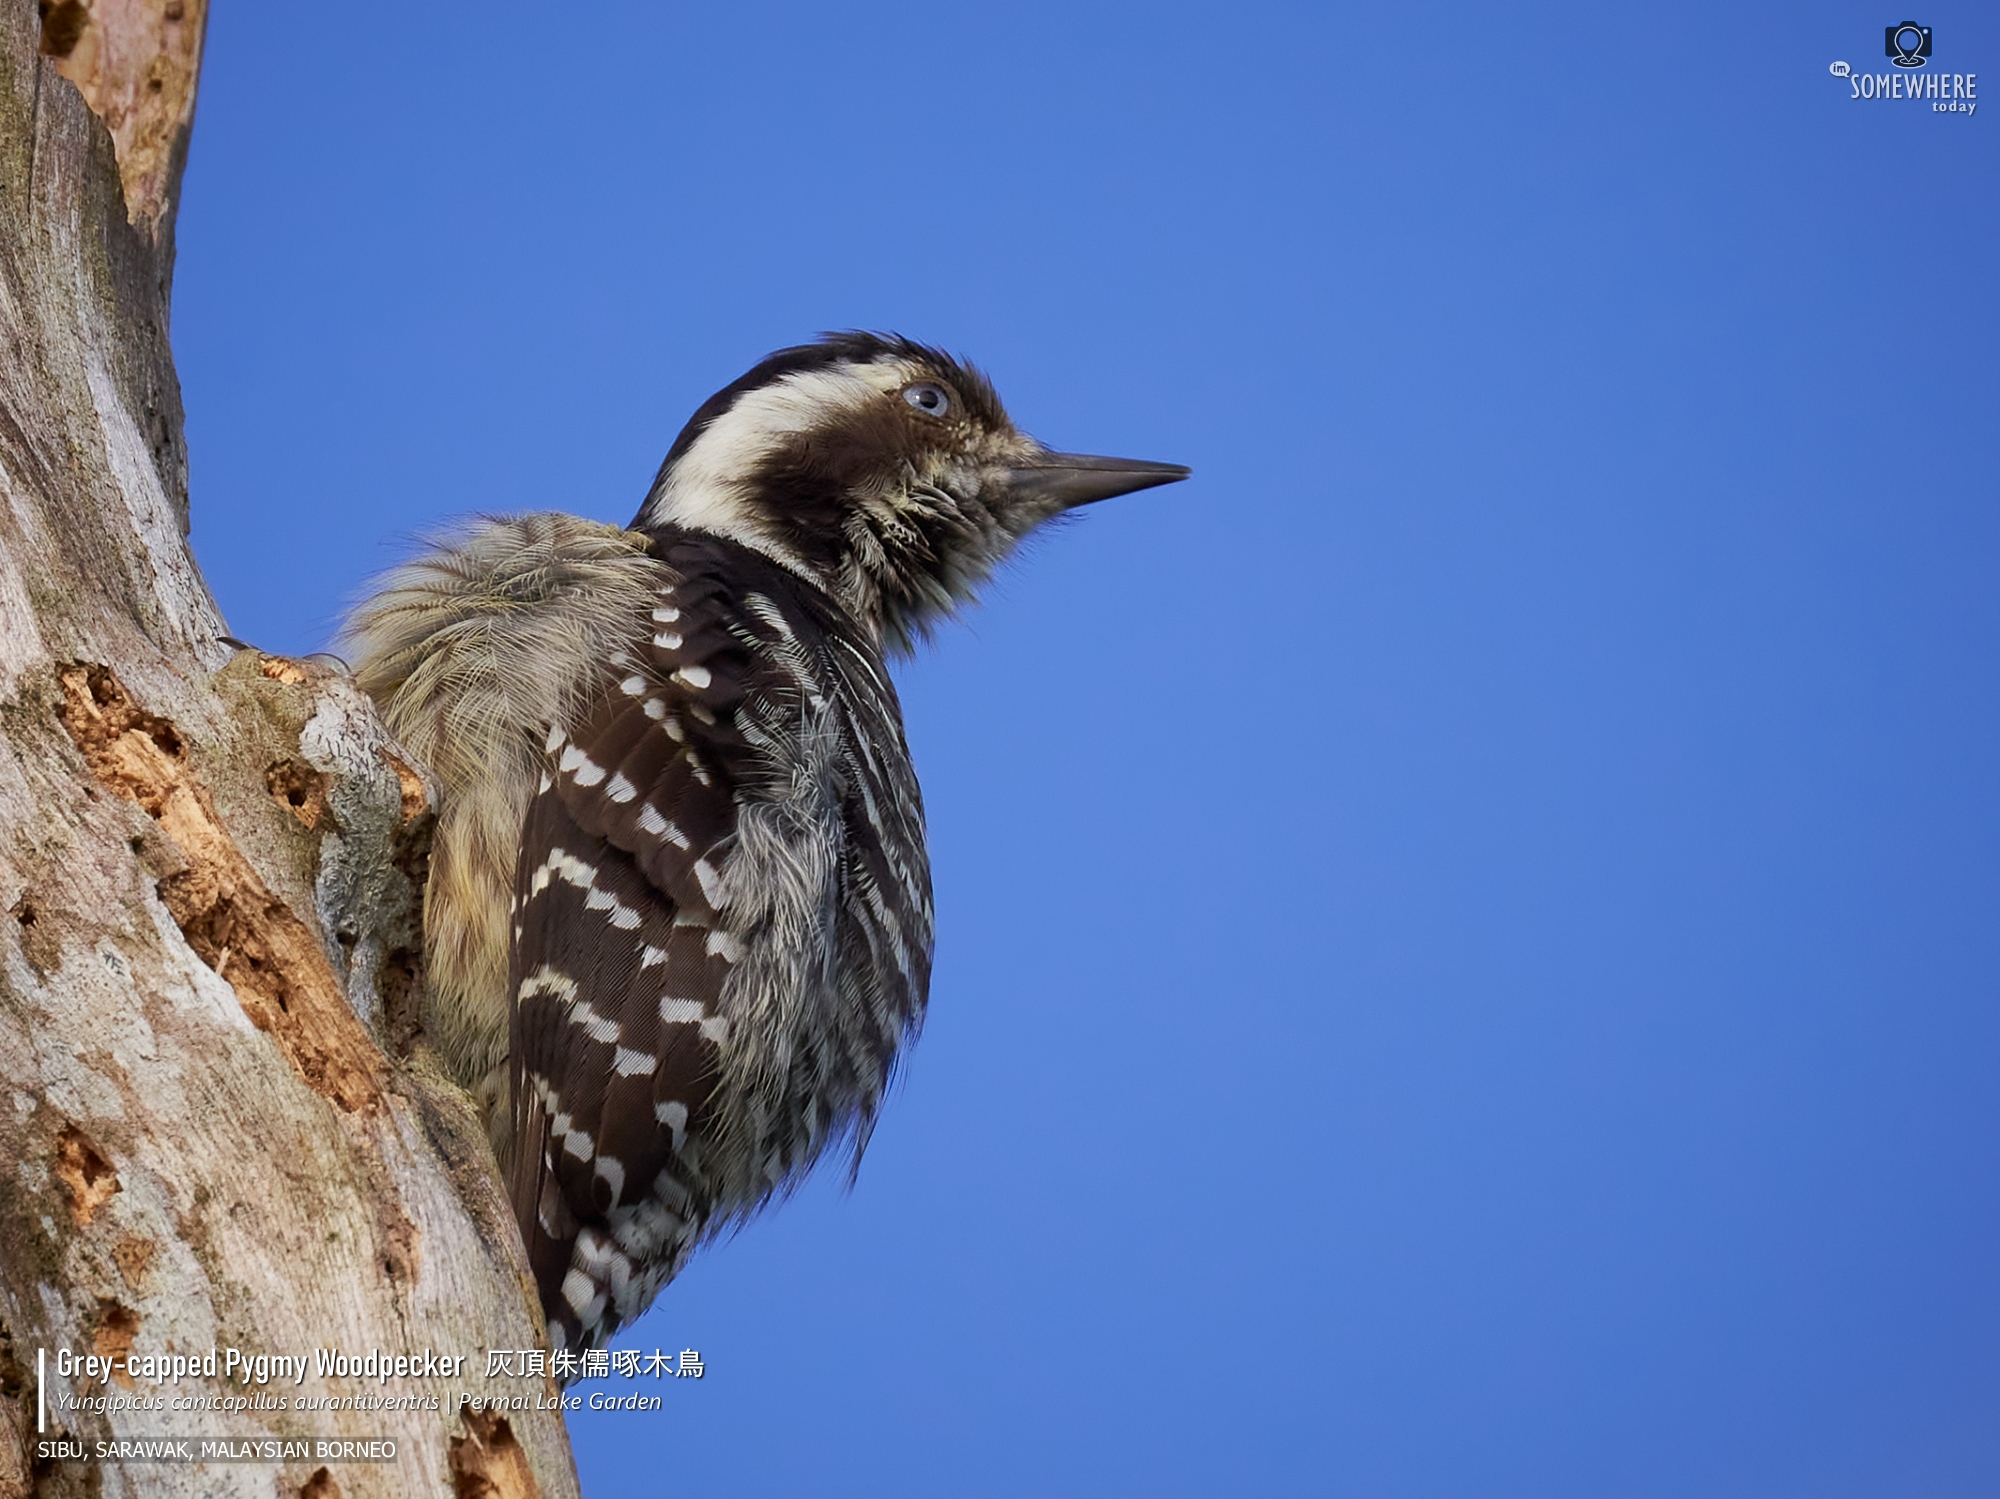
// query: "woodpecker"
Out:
[678,923]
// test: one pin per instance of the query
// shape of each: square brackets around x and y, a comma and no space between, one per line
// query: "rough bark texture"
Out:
[217,1126]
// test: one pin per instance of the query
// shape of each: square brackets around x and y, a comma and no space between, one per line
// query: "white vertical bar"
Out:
[41,1400]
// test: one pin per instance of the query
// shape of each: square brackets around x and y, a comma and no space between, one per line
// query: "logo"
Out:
[1908,48]
[1909,44]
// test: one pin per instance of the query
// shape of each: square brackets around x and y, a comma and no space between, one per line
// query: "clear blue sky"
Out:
[1470,932]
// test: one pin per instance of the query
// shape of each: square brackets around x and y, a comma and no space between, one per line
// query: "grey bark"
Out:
[218,1126]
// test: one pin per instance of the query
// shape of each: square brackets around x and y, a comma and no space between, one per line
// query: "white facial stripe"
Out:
[704,492]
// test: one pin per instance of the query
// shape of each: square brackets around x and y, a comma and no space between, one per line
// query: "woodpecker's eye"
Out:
[931,400]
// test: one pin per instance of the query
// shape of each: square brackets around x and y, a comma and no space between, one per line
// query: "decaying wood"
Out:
[217,1121]
[135,62]
[487,1463]
[227,914]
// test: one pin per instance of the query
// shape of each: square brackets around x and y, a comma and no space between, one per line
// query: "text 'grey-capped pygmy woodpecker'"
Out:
[678,921]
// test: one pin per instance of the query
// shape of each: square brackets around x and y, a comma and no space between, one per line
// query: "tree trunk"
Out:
[218,1125]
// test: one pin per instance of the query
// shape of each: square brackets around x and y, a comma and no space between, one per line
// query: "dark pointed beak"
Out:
[1062,481]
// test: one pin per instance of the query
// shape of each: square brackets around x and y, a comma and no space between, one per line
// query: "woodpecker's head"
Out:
[885,471]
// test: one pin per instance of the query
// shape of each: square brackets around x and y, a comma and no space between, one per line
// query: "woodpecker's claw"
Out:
[1065,480]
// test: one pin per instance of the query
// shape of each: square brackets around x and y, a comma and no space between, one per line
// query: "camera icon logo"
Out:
[1909,44]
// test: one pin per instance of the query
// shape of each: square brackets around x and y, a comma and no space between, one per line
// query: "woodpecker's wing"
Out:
[618,964]
[722,880]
